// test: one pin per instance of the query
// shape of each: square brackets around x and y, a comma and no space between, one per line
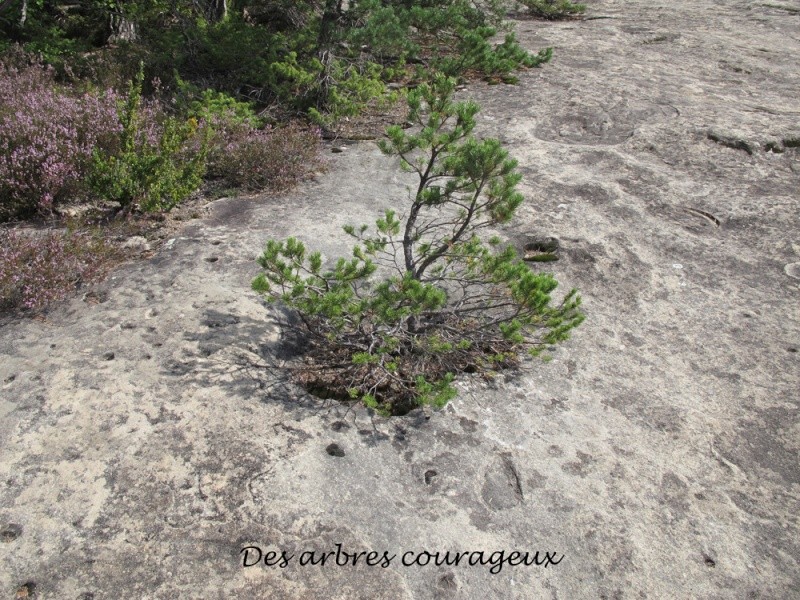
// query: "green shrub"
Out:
[554,9]
[328,59]
[243,152]
[426,298]
[477,55]
[333,62]
[150,170]
[346,90]
[212,106]
[454,37]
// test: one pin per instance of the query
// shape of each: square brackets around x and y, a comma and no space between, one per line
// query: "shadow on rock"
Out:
[247,358]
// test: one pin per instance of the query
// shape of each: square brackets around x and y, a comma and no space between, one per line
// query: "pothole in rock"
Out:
[447,582]
[331,391]
[335,450]
[330,387]
[325,392]
[27,590]
[541,249]
[709,562]
[793,270]
[580,124]
[430,475]
[10,532]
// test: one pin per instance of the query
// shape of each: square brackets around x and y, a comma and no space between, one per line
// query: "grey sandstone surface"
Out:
[142,445]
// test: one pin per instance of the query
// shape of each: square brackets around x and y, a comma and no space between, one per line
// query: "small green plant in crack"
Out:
[424,296]
[554,9]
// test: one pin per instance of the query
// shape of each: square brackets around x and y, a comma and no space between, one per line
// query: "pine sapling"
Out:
[424,296]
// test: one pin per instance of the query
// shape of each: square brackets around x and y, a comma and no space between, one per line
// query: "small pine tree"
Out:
[554,9]
[423,297]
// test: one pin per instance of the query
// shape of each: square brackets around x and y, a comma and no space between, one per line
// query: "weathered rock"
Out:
[136,243]
[656,453]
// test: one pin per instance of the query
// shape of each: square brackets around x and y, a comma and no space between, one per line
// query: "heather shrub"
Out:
[48,134]
[37,269]
[270,158]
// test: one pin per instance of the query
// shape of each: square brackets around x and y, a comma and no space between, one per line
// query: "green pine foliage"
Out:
[425,297]
[213,107]
[554,9]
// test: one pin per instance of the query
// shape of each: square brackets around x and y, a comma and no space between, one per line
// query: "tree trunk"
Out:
[325,38]
[122,29]
[23,14]
[219,10]
[330,16]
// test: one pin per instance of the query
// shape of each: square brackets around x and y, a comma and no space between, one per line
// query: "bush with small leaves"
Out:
[423,297]
[150,170]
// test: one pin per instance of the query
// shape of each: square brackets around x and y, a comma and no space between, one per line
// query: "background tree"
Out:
[325,58]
